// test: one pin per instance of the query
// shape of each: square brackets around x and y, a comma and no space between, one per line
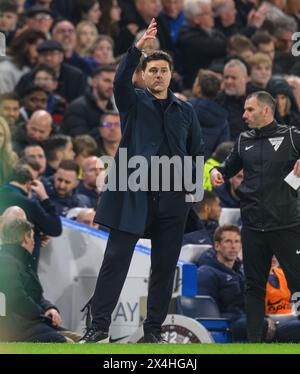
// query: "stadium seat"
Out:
[192,252]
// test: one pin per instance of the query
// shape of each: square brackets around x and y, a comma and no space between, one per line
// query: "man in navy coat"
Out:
[154,123]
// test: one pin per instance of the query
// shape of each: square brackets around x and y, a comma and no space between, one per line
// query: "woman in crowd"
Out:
[86,35]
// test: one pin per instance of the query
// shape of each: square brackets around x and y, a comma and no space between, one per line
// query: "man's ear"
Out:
[217,245]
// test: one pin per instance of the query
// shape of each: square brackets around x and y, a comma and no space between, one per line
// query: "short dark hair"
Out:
[222,151]
[109,113]
[33,88]
[14,231]
[69,165]
[46,68]
[156,56]
[9,96]
[103,69]
[84,144]
[261,37]
[21,175]
[209,83]
[208,197]
[55,143]
[8,6]
[227,227]
[264,98]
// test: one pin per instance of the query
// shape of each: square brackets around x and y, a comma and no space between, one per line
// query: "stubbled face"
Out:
[157,76]
[234,81]
[65,34]
[254,114]
[37,154]
[65,181]
[10,110]
[229,247]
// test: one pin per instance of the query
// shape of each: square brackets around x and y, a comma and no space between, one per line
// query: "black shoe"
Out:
[154,338]
[93,335]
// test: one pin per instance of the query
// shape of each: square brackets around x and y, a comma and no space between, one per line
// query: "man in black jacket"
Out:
[267,153]
[83,115]
[41,213]
[28,316]
[154,123]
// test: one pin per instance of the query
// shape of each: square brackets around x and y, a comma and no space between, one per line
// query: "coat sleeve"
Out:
[45,218]
[295,139]
[124,91]
[196,144]
[12,286]
[207,283]
[233,163]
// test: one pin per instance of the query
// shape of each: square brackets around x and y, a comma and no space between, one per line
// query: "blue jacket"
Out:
[64,204]
[214,124]
[225,285]
[142,134]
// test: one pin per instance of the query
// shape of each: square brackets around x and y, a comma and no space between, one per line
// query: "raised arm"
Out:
[124,91]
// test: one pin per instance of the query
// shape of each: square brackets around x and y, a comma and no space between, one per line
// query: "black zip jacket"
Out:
[267,156]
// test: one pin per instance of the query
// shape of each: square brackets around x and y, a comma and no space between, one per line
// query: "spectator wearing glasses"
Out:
[64,32]
[110,133]
[39,18]
[82,116]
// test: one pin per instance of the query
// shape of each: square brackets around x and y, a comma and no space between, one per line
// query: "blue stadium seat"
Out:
[205,310]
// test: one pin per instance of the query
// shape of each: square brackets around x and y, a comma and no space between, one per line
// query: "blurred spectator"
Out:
[8,19]
[228,193]
[229,24]
[61,188]
[89,10]
[260,72]
[294,83]
[44,76]
[41,213]
[10,214]
[71,81]
[57,149]
[64,32]
[173,15]
[83,115]
[31,165]
[209,211]
[10,109]
[285,27]
[86,33]
[101,52]
[286,110]
[37,129]
[212,117]
[7,157]
[86,217]
[29,317]
[138,19]
[22,56]
[111,16]
[36,153]
[110,133]
[35,98]
[39,18]
[220,154]
[88,185]
[233,97]
[239,46]
[198,42]
[293,10]
[264,43]
[84,147]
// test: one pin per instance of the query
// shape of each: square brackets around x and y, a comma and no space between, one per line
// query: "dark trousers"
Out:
[258,249]
[40,332]
[167,212]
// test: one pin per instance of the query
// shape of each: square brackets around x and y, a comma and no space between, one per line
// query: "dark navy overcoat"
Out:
[143,131]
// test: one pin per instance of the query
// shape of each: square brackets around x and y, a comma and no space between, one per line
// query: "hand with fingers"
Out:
[297,168]
[148,36]
[216,178]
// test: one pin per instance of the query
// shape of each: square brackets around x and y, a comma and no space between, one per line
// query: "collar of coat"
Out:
[171,97]
[17,252]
